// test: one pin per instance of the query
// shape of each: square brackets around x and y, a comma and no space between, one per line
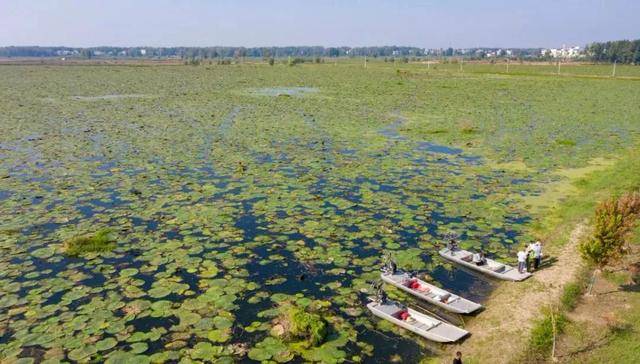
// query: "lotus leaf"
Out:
[82,352]
[139,347]
[219,335]
[205,351]
[270,348]
[128,272]
[106,344]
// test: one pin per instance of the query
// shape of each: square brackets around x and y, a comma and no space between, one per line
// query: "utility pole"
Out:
[507,65]
[365,61]
[461,64]
[558,66]
[613,73]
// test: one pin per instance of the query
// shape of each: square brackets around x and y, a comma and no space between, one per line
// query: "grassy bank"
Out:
[603,327]
[621,177]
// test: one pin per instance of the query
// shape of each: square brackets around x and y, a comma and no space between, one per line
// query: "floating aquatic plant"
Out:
[295,322]
[100,241]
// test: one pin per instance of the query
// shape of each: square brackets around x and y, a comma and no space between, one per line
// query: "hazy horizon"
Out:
[251,23]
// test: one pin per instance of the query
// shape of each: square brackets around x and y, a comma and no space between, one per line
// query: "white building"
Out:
[564,52]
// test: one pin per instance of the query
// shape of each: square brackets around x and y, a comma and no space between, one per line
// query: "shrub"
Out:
[570,295]
[614,220]
[295,61]
[542,333]
[629,205]
[101,241]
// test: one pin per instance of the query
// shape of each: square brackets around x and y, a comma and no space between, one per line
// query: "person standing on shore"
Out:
[458,358]
[522,260]
[537,254]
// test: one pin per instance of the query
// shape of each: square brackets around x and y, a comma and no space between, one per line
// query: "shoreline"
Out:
[521,303]
[502,332]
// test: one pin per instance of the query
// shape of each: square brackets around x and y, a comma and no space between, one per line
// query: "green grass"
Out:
[621,177]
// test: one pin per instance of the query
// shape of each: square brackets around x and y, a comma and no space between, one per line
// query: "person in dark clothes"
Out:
[458,358]
[393,267]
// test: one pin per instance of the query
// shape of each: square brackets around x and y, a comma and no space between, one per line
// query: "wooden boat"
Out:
[491,267]
[419,323]
[431,293]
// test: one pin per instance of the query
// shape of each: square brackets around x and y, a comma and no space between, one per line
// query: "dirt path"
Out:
[501,331]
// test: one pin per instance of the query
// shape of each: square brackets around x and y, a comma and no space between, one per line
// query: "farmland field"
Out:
[234,193]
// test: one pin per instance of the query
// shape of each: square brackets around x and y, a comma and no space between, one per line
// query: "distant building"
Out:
[143,52]
[564,52]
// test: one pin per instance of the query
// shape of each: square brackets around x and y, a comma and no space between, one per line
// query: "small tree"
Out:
[614,220]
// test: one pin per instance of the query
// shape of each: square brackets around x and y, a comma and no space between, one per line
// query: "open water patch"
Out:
[285,91]
[109,97]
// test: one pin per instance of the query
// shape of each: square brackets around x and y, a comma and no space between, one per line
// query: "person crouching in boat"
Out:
[392,267]
[479,258]
[415,285]
[404,315]
[452,245]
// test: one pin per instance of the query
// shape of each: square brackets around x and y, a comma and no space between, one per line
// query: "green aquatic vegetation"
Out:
[308,325]
[566,142]
[217,190]
[205,351]
[100,241]
[410,259]
[270,349]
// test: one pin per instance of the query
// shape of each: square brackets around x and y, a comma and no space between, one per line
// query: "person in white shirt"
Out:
[479,259]
[537,254]
[522,261]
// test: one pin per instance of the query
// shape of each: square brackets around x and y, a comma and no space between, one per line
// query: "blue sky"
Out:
[427,23]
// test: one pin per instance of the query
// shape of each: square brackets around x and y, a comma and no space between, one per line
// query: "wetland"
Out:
[242,200]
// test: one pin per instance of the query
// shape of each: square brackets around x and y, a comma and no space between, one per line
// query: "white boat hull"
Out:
[419,323]
[492,267]
[454,303]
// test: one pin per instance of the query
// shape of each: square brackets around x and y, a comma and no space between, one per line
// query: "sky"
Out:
[250,23]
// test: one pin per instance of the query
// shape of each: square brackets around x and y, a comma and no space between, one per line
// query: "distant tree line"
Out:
[210,52]
[266,53]
[623,51]
[620,51]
